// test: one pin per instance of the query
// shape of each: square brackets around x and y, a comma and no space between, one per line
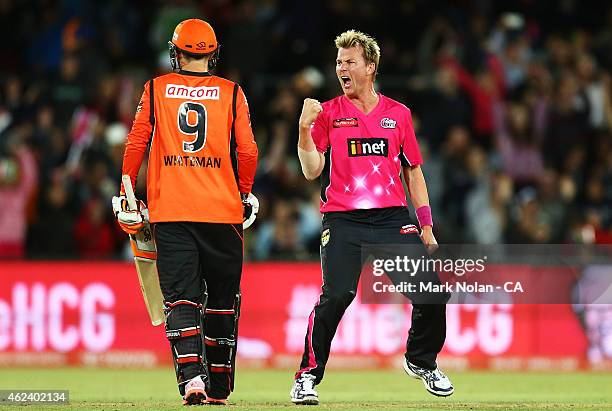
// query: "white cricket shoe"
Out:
[303,391]
[434,380]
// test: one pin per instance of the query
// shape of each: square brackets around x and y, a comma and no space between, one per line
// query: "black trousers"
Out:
[202,263]
[343,235]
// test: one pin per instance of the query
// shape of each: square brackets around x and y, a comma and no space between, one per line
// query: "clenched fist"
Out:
[310,111]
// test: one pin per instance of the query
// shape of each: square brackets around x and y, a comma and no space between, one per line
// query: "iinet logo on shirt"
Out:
[359,147]
[193,93]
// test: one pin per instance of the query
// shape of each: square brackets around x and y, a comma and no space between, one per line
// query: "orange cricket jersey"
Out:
[202,149]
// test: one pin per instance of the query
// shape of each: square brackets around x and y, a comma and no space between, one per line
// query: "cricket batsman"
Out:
[202,164]
[360,143]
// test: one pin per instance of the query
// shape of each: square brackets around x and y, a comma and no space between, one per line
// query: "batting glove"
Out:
[130,221]
[250,203]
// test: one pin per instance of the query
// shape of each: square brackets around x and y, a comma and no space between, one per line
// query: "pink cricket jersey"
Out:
[364,154]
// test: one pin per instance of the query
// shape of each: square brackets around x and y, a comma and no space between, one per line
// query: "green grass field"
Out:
[103,389]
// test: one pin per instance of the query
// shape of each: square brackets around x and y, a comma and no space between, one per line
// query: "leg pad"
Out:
[184,331]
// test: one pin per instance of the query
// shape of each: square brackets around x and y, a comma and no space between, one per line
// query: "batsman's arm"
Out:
[138,138]
[145,256]
[246,147]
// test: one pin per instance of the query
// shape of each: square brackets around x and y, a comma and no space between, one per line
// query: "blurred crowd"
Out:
[511,102]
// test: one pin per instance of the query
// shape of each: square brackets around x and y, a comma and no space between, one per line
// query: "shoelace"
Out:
[435,375]
[307,383]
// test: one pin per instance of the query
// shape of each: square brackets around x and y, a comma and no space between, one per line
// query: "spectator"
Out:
[52,235]
[18,179]
[279,238]
[529,224]
[517,145]
[487,210]
[569,122]
[443,96]
[94,232]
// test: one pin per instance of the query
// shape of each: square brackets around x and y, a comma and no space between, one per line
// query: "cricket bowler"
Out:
[202,163]
[360,143]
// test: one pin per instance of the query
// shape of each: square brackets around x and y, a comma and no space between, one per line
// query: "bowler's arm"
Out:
[417,188]
[311,159]
[417,191]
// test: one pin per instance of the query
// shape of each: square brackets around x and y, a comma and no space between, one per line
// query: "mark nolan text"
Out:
[459,287]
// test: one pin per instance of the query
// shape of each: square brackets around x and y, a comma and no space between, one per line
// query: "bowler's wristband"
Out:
[423,214]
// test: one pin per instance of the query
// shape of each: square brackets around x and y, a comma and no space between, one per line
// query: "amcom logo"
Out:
[193,93]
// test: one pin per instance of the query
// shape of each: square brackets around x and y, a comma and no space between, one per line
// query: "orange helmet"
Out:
[194,37]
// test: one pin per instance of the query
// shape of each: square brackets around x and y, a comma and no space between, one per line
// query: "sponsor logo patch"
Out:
[192,93]
[388,123]
[173,334]
[409,229]
[360,147]
[346,122]
[325,237]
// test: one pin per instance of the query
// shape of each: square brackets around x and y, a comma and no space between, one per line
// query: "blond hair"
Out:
[353,38]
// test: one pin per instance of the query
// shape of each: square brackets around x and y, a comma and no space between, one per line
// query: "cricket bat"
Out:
[145,258]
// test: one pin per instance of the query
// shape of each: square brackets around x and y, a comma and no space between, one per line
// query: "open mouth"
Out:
[346,81]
